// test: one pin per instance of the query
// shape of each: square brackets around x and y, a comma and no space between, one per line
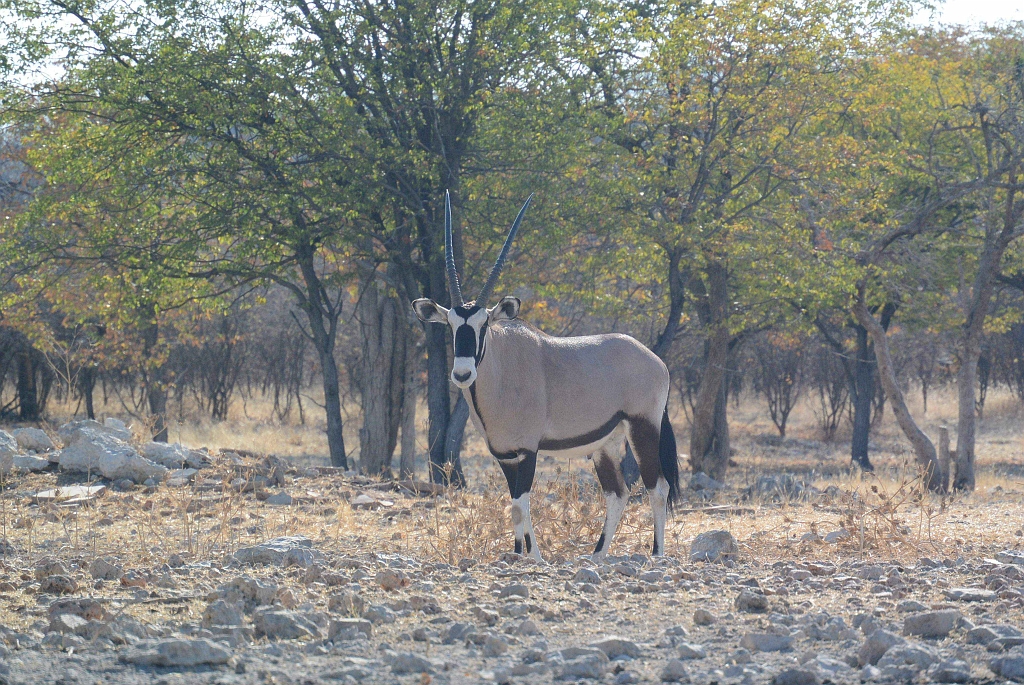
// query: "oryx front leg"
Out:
[616,496]
[519,471]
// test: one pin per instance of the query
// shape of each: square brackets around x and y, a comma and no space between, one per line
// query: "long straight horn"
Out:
[449,256]
[492,278]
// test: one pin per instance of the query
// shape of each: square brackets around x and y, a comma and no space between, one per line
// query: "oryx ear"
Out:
[507,308]
[428,310]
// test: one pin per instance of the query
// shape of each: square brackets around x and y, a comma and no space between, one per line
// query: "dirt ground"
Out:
[386,585]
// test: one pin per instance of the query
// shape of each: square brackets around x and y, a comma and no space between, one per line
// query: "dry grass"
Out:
[887,514]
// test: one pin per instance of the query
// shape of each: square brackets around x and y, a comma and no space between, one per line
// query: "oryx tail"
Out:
[669,457]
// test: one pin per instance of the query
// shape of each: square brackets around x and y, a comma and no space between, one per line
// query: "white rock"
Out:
[33,439]
[280,498]
[174,455]
[931,623]
[766,642]
[96,452]
[617,646]
[284,551]
[104,570]
[407,662]
[176,653]
[675,672]
[8,450]
[713,545]
[688,650]
[72,431]
[28,462]
[284,625]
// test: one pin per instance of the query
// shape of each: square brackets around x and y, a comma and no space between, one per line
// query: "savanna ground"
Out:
[433,575]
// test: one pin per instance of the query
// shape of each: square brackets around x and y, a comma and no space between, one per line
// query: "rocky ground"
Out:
[246,570]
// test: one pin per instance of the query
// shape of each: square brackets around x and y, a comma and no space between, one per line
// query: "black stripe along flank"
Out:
[585,439]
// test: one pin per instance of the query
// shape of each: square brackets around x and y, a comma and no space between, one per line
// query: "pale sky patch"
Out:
[973,12]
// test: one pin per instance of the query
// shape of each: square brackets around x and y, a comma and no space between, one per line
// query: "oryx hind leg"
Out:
[644,437]
[519,470]
[616,496]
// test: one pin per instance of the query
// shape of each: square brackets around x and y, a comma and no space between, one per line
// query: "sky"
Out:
[974,12]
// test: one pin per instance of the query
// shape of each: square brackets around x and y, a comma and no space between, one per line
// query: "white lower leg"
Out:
[659,511]
[526,542]
[614,506]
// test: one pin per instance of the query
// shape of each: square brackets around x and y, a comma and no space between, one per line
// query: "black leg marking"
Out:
[529,543]
[655,552]
[519,546]
[519,476]
[600,543]
[609,474]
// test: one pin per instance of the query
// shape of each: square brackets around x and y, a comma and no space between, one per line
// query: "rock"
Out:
[702,481]
[284,551]
[28,462]
[378,614]
[931,623]
[1011,556]
[918,656]
[675,672]
[8,450]
[689,650]
[174,455]
[950,671]
[982,635]
[86,607]
[177,478]
[495,645]
[280,498]
[346,603]
[713,545]
[72,432]
[58,585]
[752,602]
[177,652]
[587,575]
[407,662]
[283,625]
[456,632]
[703,617]
[252,592]
[391,579]
[836,535]
[528,627]
[910,607]
[1011,666]
[591,663]
[50,567]
[877,644]
[102,569]
[347,626]
[514,590]
[616,646]
[68,623]
[781,487]
[96,452]
[766,642]
[969,594]
[223,613]
[32,439]
[796,676]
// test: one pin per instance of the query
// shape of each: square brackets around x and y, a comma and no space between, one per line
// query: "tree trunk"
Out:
[407,465]
[944,456]
[863,394]
[28,394]
[383,330]
[452,474]
[156,382]
[323,318]
[967,376]
[923,447]
[709,434]
[86,385]
[438,398]
[677,291]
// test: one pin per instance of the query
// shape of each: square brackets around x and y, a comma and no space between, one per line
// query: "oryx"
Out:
[531,393]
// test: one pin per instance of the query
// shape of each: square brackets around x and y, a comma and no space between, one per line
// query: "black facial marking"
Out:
[600,544]
[529,542]
[585,439]
[465,341]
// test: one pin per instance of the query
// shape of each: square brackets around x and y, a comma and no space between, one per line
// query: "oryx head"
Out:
[469,320]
